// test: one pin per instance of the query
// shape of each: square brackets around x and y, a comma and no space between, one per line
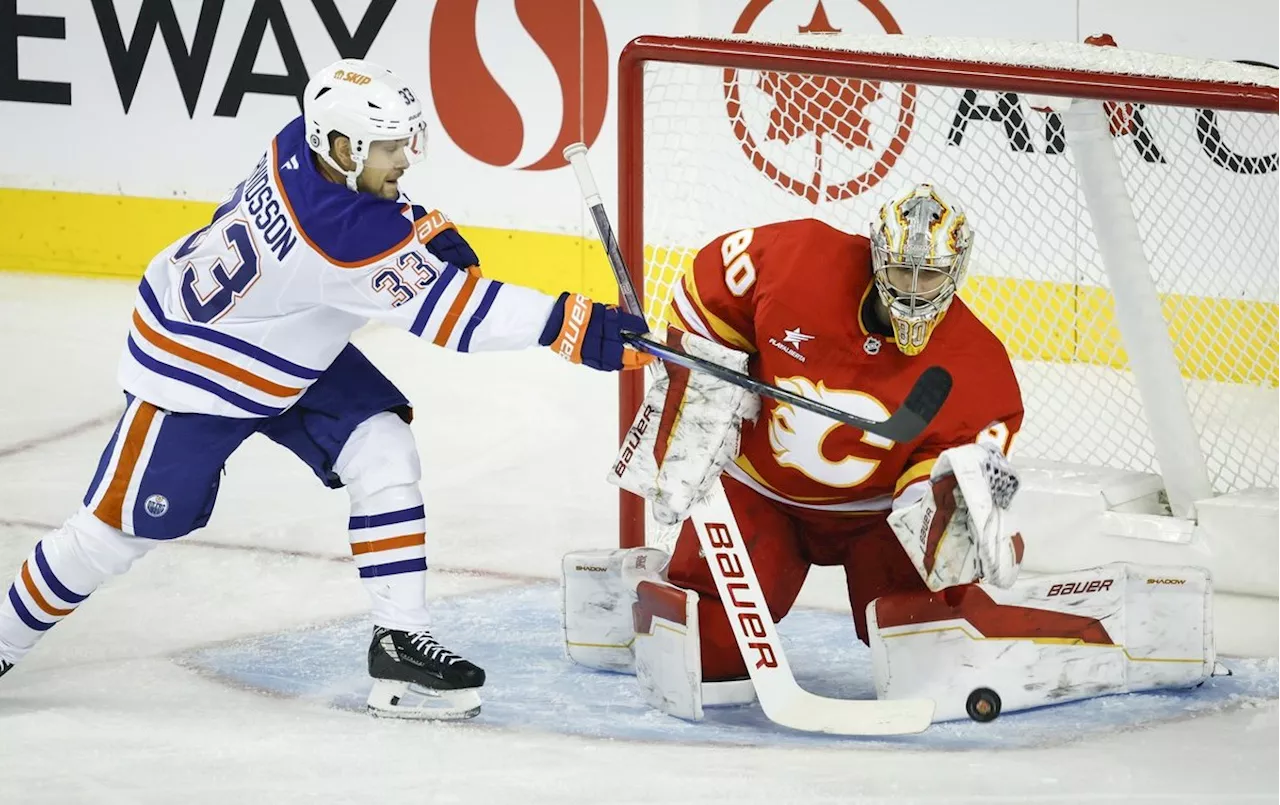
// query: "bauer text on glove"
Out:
[961,530]
[590,333]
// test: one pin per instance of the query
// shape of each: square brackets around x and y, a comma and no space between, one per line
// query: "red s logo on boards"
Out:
[480,117]
[796,121]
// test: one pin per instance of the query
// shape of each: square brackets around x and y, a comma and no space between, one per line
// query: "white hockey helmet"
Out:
[920,246]
[367,103]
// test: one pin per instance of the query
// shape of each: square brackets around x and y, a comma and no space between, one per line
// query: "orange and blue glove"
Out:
[590,333]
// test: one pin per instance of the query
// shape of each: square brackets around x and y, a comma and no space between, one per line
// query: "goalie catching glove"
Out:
[686,431]
[961,530]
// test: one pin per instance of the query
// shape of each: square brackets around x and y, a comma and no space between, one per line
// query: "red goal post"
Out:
[740,122]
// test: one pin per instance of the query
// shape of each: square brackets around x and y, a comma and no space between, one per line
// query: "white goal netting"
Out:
[726,148]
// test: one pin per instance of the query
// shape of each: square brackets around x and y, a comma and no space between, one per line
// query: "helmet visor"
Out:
[397,154]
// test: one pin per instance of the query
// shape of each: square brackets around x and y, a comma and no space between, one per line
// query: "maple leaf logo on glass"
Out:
[823,138]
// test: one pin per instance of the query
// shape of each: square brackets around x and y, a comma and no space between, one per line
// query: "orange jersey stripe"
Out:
[275,171]
[38,598]
[111,509]
[210,362]
[455,310]
[388,544]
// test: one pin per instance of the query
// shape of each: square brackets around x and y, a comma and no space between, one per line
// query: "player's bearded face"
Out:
[915,296]
[386,163]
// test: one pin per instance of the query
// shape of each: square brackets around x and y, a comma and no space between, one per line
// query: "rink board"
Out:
[514,633]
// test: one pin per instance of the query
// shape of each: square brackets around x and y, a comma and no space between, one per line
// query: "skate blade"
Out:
[390,699]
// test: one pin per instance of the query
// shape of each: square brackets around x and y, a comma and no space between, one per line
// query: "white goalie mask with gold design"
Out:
[919,251]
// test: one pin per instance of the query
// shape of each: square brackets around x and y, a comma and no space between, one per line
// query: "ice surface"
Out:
[533,687]
[135,698]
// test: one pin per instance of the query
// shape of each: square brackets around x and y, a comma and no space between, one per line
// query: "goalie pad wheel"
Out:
[983,705]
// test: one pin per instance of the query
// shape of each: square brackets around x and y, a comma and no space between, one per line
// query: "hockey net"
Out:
[722,134]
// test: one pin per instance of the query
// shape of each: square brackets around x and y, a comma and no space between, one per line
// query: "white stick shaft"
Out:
[781,698]
[576,154]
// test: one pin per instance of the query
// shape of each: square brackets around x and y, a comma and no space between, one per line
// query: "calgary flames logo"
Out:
[818,113]
[797,436]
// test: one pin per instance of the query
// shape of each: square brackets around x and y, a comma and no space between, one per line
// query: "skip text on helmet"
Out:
[352,76]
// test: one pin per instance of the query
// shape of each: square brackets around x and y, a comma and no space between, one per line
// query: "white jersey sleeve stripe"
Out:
[687,312]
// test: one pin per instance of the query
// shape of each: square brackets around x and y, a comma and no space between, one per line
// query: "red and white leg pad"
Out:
[1118,628]
[621,615]
[669,655]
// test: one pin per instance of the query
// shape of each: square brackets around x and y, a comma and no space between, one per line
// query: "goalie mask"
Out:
[919,251]
[366,103]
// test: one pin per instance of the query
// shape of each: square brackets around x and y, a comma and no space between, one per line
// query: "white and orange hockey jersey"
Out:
[238,318]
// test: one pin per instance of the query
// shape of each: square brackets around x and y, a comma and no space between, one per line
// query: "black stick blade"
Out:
[922,404]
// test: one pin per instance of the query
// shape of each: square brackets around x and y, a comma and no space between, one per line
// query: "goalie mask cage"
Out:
[1124,208]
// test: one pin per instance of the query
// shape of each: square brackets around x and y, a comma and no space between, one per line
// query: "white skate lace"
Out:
[434,652]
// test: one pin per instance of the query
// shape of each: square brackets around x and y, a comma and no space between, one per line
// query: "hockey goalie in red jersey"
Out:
[850,321]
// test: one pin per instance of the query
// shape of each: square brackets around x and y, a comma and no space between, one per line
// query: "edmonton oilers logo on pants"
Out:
[156,505]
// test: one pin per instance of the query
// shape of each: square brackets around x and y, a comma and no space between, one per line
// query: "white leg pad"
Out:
[1118,628]
[668,652]
[598,590]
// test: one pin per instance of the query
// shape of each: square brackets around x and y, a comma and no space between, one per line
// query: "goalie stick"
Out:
[906,423]
[781,697]
[783,700]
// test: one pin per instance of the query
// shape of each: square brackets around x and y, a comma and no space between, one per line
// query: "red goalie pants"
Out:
[783,543]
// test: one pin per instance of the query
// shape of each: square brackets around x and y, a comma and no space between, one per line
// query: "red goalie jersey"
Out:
[799,296]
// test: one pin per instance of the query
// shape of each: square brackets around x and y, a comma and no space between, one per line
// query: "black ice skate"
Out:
[416,677]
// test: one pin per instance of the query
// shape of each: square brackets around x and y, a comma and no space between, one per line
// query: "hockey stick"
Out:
[903,425]
[781,697]
[906,423]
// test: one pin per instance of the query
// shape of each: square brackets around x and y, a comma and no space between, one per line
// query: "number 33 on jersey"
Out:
[238,318]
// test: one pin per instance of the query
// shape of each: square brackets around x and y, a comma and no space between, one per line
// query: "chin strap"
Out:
[351,175]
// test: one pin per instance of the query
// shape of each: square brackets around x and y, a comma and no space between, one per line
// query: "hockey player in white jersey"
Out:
[244,327]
